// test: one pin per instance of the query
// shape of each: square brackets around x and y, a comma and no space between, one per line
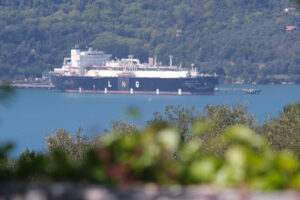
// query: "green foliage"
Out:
[242,39]
[5,172]
[181,117]
[284,132]
[223,116]
[292,108]
[121,128]
[220,118]
[6,92]
[159,154]
[30,164]
[62,140]
[209,124]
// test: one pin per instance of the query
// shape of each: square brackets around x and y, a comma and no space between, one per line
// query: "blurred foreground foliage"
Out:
[223,146]
[284,132]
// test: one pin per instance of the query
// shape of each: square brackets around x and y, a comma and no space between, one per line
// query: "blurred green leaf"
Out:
[286,161]
[243,134]
[203,170]
[271,181]
[169,138]
[190,150]
[200,127]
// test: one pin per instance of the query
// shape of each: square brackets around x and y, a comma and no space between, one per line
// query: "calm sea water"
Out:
[34,113]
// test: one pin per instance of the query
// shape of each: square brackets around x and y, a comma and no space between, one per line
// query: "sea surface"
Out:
[32,114]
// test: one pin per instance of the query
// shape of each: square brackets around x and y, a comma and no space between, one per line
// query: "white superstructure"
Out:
[98,64]
[88,58]
[80,60]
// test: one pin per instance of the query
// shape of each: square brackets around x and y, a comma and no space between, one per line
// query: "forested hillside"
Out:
[243,39]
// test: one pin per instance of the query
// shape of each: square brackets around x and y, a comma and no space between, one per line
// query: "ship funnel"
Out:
[151,61]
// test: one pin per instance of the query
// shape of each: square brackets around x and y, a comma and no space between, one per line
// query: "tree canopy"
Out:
[240,39]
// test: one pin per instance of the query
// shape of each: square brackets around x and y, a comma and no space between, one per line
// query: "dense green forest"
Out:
[237,39]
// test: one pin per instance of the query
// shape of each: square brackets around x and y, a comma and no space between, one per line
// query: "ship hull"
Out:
[133,85]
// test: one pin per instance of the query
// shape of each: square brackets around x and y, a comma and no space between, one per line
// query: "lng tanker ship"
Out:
[94,72]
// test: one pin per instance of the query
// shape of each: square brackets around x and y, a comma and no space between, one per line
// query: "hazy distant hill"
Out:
[239,38]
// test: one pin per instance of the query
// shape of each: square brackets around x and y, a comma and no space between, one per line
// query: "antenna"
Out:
[130,58]
[171,61]
[192,66]
[131,65]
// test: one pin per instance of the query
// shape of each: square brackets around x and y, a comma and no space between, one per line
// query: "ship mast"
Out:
[192,66]
[171,60]
[130,63]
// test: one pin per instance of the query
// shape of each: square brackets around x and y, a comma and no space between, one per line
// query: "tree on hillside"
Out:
[236,39]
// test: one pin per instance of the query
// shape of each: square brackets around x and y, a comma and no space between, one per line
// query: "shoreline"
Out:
[31,85]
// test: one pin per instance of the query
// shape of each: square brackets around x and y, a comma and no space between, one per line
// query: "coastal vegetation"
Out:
[6,92]
[222,145]
[239,40]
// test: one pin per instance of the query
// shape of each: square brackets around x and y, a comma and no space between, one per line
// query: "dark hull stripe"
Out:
[121,85]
